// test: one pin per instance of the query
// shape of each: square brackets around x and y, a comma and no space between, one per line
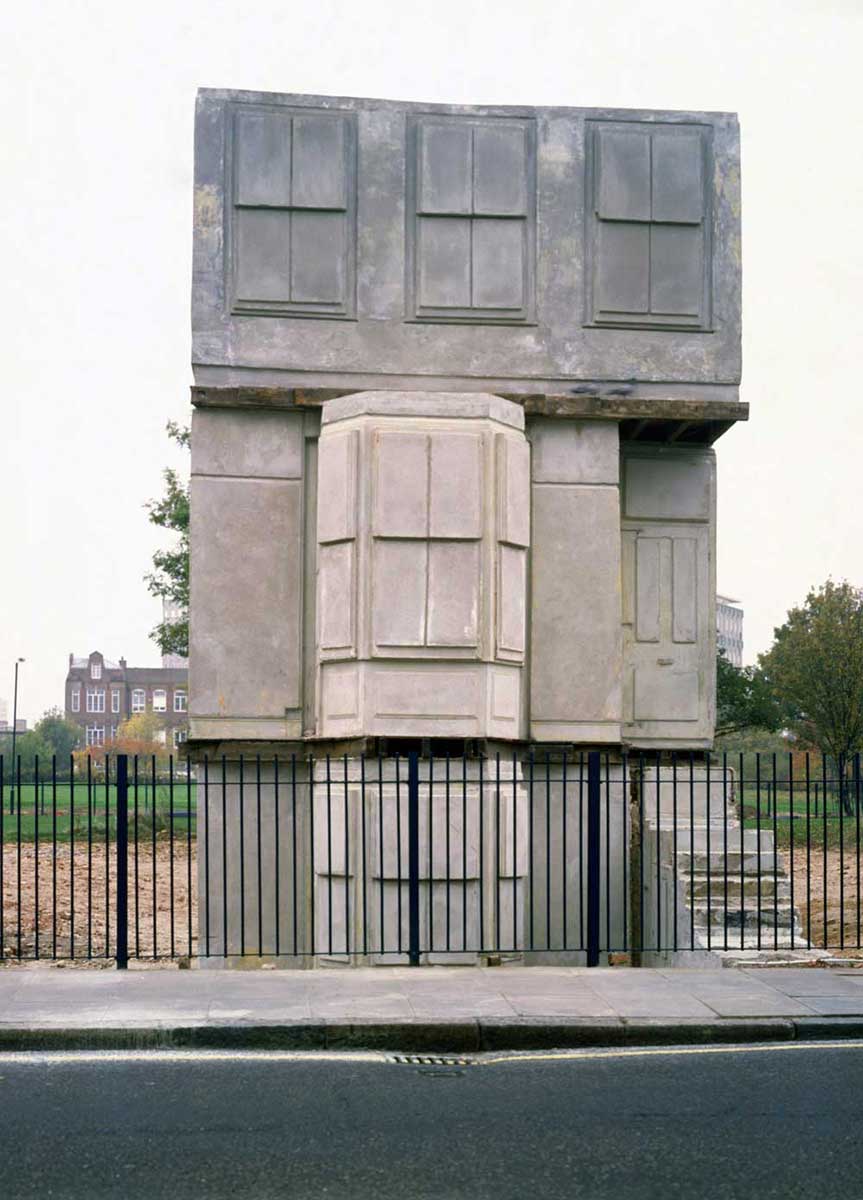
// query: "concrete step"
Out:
[734,863]
[780,940]
[734,916]
[717,887]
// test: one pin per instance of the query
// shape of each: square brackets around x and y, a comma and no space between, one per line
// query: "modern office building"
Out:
[729,629]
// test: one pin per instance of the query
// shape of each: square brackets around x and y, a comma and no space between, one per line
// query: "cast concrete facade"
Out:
[355,243]
[458,374]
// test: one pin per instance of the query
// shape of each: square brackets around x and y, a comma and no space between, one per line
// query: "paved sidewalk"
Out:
[442,1008]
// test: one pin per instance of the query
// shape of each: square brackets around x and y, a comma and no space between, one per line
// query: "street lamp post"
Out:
[18,661]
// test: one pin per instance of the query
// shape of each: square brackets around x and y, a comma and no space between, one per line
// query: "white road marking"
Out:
[653,1051]
[489,1059]
[19,1057]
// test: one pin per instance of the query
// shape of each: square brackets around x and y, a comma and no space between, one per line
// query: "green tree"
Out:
[744,699]
[29,747]
[61,735]
[170,576]
[815,667]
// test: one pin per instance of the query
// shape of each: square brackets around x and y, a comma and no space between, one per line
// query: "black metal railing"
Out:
[543,855]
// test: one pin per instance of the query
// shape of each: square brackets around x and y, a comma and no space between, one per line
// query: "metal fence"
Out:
[543,856]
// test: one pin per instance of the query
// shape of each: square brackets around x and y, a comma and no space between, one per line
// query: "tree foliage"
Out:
[32,751]
[143,728]
[170,577]
[744,699]
[815,668]
[61,735]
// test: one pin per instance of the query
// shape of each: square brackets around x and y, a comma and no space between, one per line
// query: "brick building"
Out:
[101,695]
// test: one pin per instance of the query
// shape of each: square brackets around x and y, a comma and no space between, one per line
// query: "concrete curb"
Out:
[535,1033]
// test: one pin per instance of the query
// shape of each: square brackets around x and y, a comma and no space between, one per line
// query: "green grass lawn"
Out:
[789,811]
[64,805]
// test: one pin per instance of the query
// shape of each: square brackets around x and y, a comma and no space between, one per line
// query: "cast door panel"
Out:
[666,608]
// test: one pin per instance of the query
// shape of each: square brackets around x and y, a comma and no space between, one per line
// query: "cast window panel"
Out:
[180,736]
[179,702]
[95,735]
[649,225]
[76,699]
[471,219]
[115,700]
[292,223]
[160,700]
[427,525]
[95,670]
[139,700]
[95,700]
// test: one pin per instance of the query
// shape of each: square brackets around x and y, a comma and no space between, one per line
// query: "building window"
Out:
[113,733]
[160,700]
[179,701]
[162,736]
[115,700]
[472,231]
[76,699]
[95,700]
[95,670]
[95,735]
[139,700]
[180,736]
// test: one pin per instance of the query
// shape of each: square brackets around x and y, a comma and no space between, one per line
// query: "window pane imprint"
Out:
[649,226]
[292,224]
[471,232]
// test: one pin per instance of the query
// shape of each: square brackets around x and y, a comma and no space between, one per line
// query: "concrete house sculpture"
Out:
[458,375]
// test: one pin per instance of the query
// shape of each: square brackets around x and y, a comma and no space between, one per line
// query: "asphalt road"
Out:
[769,1121]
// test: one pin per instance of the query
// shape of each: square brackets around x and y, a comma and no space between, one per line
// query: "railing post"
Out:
[414,859]
[122,845]
[594,790]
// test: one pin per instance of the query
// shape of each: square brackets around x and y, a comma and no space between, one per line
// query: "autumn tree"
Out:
[815,668]
[143,729]
[170,577]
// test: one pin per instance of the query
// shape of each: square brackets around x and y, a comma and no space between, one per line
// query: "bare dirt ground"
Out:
[150,913]
[842,900]
[95,934]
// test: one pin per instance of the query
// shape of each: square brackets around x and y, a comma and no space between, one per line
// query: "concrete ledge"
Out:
[537,1033]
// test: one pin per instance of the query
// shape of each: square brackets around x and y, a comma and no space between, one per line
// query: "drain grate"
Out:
[430,1060]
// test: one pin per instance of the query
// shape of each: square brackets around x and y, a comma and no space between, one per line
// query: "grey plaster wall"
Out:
[359,243]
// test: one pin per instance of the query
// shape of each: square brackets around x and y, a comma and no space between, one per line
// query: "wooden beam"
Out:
[617,408]
[716,416]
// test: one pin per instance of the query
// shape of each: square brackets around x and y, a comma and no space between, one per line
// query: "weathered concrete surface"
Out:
[669,596]
[423,530]
[378,585]
[575,632]
[248,509]
[451,247]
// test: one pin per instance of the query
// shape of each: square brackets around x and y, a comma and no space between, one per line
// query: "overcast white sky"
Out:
[95,246]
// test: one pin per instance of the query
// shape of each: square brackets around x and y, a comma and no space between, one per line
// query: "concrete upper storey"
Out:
[351,244]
